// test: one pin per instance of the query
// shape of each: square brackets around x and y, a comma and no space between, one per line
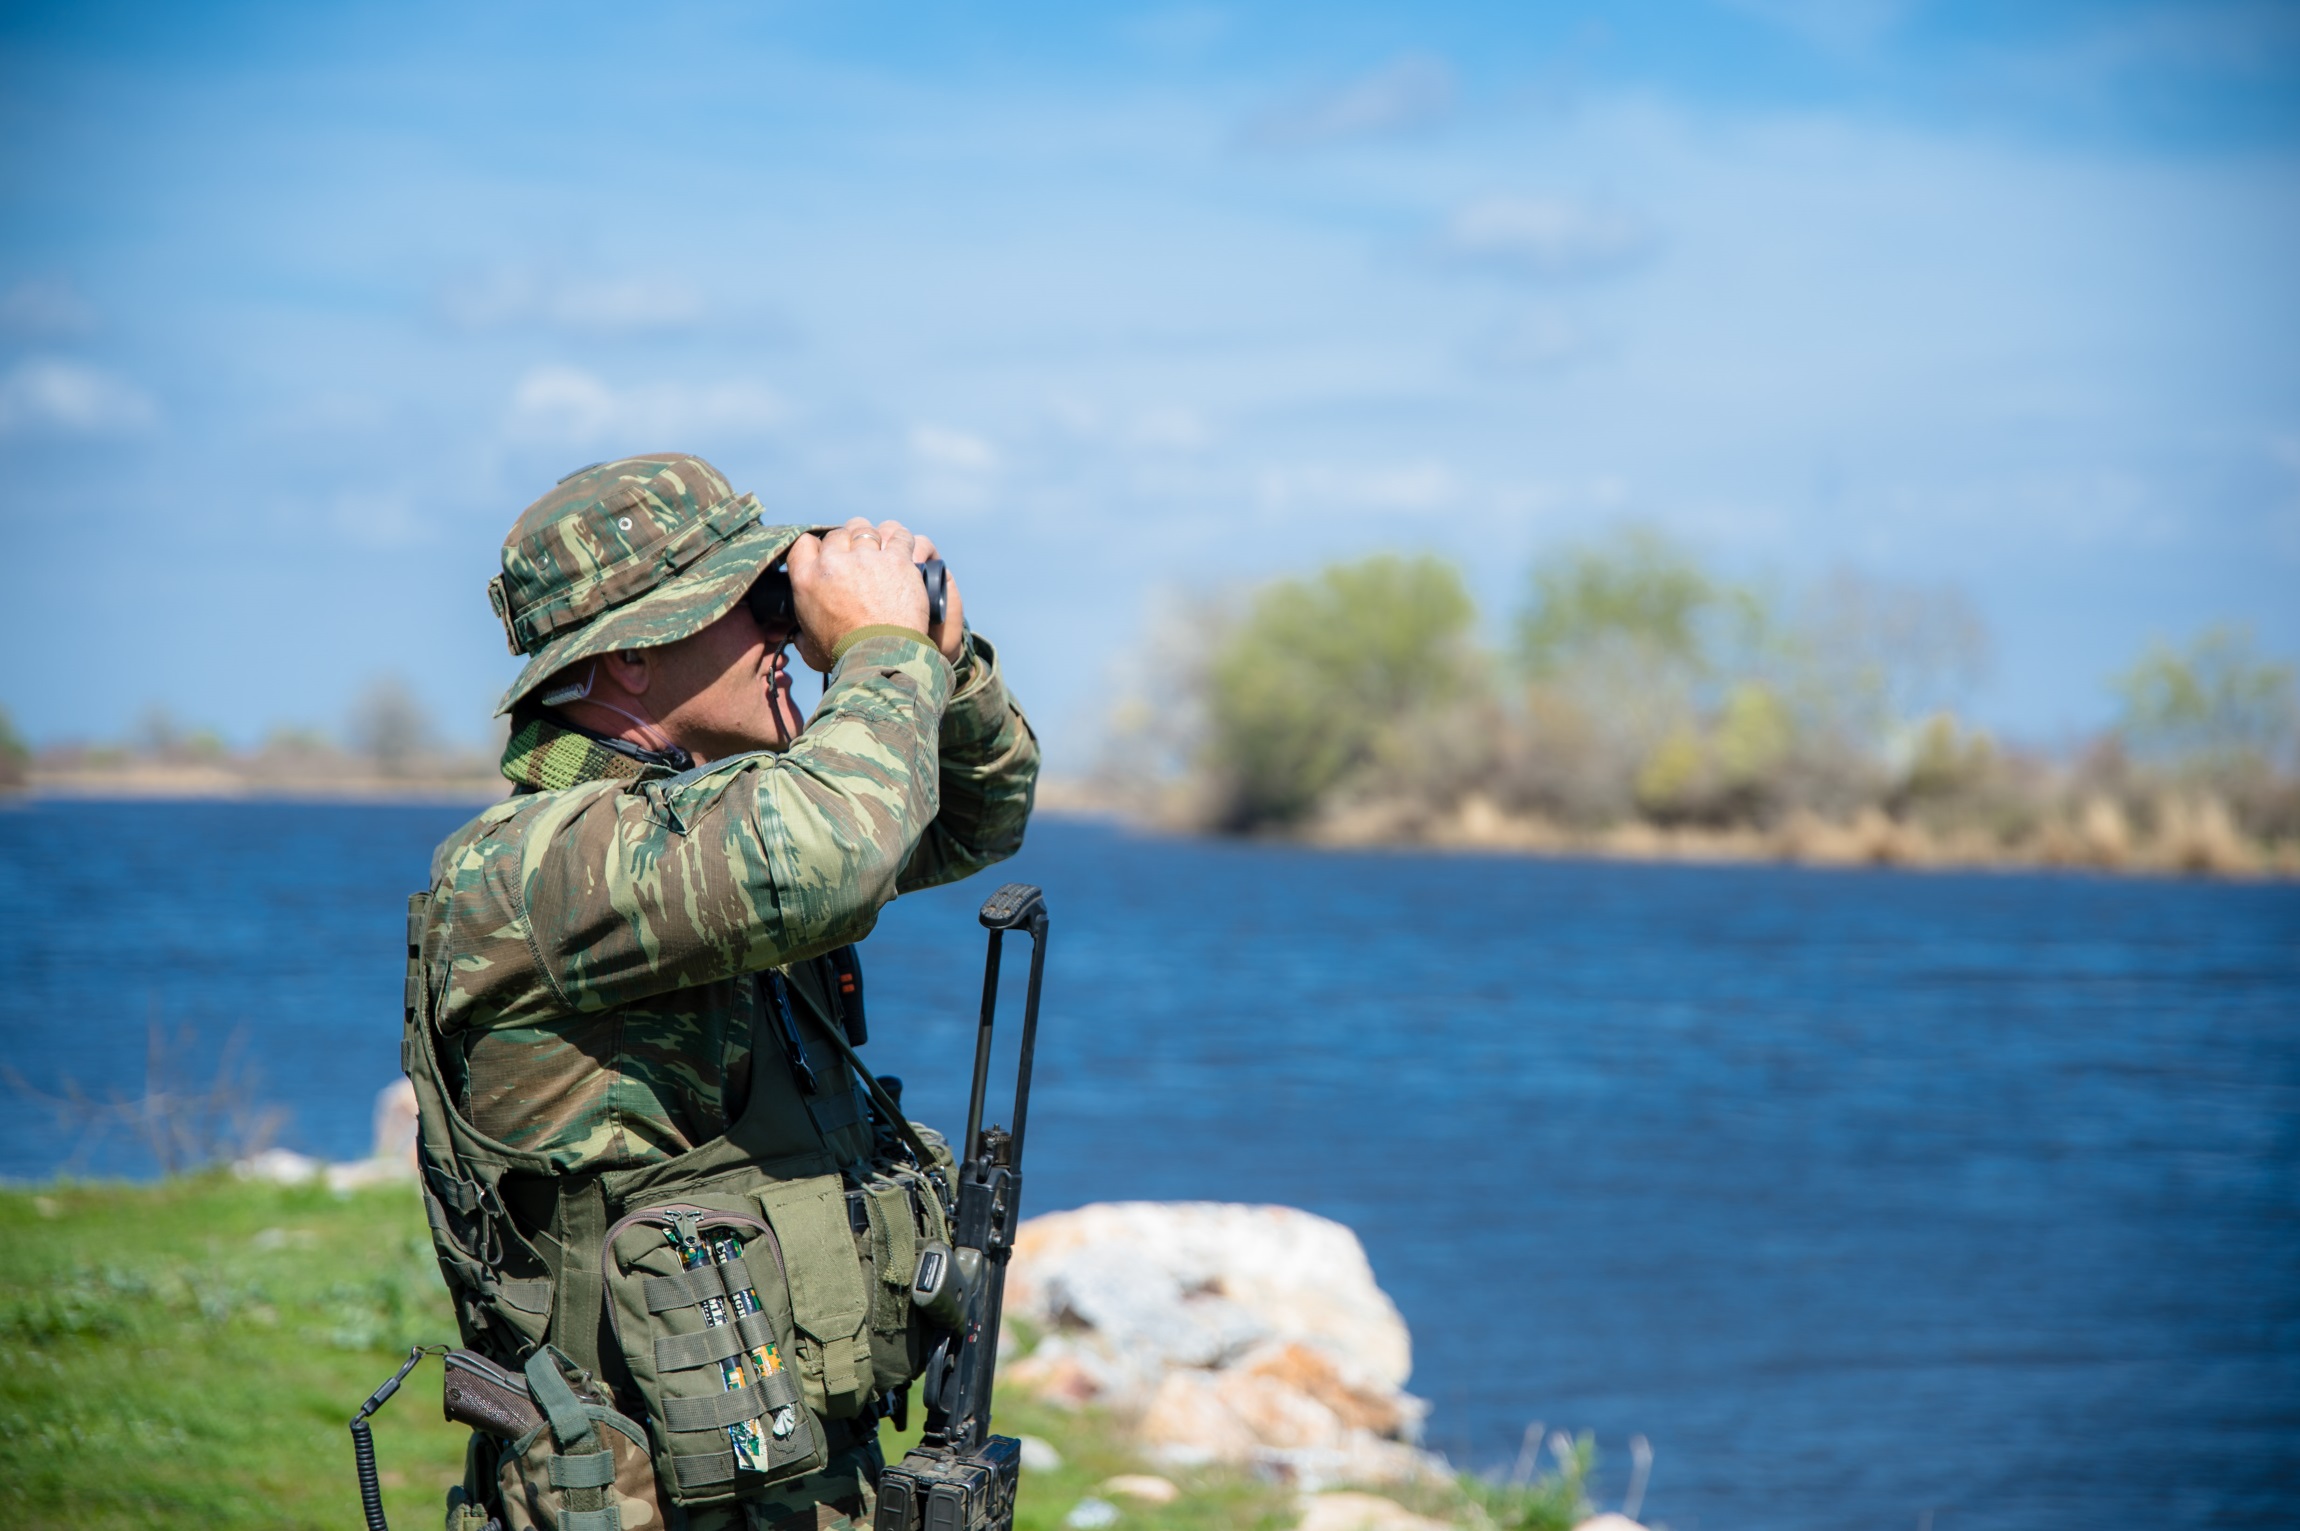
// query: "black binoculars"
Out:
[774,606]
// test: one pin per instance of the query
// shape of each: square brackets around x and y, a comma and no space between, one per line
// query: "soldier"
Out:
[632,987]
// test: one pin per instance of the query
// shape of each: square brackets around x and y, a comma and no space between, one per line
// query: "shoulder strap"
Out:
[460,1172]
[878,1093]
[581,1224]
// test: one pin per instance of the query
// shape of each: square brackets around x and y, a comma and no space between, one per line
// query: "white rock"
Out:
[395,1126]
[1039,1456]
[1609,1521]
[1141,1307]
[361,1173]
[1295,1276]
[281,1166]
[1091,1515]
[1360,1512]
[1147,1487]
[1245,1335]
[393,1157]
[1234,1413]
[1362,1458]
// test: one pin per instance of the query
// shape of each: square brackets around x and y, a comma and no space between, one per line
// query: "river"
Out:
[1861,1195]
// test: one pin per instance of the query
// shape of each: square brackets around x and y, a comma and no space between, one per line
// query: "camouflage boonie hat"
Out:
[627,554]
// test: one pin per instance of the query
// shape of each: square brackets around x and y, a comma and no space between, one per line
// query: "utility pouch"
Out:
[904,1212]
[851,1252]
[701,1307]
[584,1468]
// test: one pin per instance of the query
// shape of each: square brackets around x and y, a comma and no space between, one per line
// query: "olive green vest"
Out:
[828,1214]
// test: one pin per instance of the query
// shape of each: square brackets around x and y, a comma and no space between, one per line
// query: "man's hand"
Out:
[854,576]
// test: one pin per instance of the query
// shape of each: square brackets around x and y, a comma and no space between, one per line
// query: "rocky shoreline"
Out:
[1252,1339]
[1250,1336]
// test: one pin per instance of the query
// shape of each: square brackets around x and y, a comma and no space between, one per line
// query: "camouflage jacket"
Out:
[599,975]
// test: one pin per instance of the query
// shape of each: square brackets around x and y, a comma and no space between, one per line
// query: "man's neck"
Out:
[640,740]
[626,722]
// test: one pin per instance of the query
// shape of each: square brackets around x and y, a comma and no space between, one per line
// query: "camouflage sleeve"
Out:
[752,862]
[989,773]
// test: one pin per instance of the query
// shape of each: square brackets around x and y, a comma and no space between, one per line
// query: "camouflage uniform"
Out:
[598,943]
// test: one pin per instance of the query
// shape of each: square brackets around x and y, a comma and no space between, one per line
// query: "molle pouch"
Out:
[851,1253]
[701,1300]
[585,1468]
[901,1211]
[816,1229]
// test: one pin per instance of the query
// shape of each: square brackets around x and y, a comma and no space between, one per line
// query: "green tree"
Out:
[1631,649]
[1863,658]
[1314,683]
[1639,598]
[1945,758]
[15,756]
[1724,773]
[2214,705]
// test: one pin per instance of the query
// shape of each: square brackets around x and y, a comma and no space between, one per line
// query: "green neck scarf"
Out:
[547,756]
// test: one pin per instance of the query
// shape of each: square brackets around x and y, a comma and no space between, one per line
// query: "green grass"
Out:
[188,1354]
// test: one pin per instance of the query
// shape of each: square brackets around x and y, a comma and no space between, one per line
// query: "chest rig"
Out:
[747,1303]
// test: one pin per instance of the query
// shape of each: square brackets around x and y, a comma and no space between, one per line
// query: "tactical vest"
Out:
[583,1268]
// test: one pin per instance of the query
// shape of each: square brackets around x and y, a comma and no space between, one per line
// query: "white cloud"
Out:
[568,406]
[1548,236]
[953,470]
[1416,91]
[1168,429]
[1409,487]
[1160,428]
[42,306]
[379,519]
[53,394]
[563,402]
[947,448]
[513,296]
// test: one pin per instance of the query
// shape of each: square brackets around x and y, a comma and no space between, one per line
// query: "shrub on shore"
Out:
[1642,694]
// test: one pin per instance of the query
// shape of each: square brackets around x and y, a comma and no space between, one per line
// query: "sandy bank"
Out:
[2192,837]
[195,783]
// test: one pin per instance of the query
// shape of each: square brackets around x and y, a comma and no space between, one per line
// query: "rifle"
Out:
[960,1477]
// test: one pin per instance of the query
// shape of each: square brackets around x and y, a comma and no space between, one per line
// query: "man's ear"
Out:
[631,669]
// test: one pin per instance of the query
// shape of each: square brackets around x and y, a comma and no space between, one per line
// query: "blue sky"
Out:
[299,305]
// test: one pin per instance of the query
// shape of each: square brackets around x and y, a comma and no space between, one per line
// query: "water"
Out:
[1858,1194]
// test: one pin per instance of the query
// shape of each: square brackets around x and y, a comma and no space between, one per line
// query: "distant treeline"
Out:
[387,739]
[1640,690]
